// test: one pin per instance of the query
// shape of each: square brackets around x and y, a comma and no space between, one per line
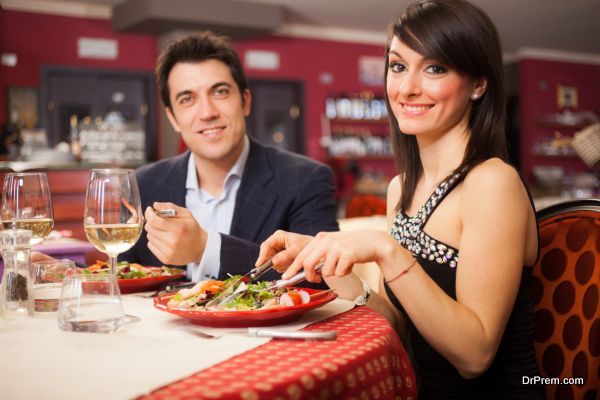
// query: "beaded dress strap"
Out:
[440,192]
[408,231]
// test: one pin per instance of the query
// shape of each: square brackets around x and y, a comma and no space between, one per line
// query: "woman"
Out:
[462,223]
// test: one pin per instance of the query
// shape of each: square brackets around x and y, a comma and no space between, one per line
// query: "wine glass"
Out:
[113,215]
[26,204]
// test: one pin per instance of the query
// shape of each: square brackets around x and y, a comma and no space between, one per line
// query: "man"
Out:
[230,192]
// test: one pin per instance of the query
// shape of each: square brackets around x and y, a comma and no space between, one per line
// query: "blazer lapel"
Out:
[170,186]
[256,195]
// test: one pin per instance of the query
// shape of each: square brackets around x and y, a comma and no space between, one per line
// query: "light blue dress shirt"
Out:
[212,214]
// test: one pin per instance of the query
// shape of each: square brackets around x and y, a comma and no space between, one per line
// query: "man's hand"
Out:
[175,240]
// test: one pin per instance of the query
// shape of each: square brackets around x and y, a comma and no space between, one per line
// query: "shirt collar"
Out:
[236,170]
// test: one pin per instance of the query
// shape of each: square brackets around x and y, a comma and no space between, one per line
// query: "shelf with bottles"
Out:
[360,122]
[344,157]
[557,145]
[567,120]
[356,107]
[358,146]
[554,180]
[356,126]
[569,156]
[111,139]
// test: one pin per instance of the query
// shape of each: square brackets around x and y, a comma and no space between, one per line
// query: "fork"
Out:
[299,277]
[249,277]
[168,287]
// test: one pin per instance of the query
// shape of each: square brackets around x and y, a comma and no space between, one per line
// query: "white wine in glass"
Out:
[113,216]
[27,204]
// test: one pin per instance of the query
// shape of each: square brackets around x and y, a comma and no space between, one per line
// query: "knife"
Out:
[252,276]
[225,297]
[174,287]
[298,335]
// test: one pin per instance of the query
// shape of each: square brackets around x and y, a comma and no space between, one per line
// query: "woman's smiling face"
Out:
[426,97]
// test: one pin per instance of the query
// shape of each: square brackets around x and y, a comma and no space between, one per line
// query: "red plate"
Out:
[135,285]
[242,319]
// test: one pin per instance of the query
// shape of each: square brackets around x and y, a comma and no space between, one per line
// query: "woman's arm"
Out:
[495,212]
[285,246]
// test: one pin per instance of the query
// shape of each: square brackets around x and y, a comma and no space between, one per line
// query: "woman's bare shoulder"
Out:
[493,173]
[494,181]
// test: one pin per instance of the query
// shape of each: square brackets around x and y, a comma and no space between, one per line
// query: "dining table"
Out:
[165,357]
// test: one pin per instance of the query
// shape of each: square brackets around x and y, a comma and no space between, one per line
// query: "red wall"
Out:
[53,41]
[304,60]
[537,94]
[39,39]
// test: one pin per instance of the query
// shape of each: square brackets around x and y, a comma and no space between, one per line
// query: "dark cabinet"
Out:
[276,117]
[67,91]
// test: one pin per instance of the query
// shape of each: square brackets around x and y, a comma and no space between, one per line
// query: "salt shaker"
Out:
[16,291]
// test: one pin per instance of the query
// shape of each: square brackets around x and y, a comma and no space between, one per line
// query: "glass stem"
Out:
[112,260]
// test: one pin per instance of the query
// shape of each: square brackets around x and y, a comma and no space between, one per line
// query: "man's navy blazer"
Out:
[279,190]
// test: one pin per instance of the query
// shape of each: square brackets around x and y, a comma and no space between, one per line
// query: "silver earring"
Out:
[475,96]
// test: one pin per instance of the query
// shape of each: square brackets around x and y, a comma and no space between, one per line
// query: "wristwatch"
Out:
[362,299]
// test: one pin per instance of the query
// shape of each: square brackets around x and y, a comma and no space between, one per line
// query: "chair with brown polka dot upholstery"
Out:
[565,294]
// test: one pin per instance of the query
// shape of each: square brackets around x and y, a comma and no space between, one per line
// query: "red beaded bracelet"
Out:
[401,272]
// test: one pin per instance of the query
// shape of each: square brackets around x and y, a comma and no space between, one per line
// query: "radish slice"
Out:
[290,299]
[304,296]
[286,301]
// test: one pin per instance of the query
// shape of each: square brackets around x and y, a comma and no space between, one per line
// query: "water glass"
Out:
[47,278]
[90,303]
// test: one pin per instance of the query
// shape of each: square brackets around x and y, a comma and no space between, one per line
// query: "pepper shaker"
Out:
[16,291]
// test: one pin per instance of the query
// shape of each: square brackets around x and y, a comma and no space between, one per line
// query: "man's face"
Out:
[208,110]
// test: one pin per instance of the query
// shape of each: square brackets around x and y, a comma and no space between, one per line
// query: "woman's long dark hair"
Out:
[462,37]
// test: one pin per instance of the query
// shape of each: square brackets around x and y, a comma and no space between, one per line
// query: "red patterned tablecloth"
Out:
[366,361]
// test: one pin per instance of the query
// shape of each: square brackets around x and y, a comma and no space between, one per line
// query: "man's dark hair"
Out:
[196,48]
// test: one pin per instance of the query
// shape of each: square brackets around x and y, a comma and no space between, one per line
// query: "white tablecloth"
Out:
[39,361]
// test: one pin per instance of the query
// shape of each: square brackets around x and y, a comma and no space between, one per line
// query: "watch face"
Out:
[362,299]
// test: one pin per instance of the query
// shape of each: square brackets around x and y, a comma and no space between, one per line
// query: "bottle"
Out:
[16,291]
[330,109]
[74,138]
[357,111]
[343,107]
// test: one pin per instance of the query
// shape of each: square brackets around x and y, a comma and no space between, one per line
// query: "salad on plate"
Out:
[254,296]
[126,270]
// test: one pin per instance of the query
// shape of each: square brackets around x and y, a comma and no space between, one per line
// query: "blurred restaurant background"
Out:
[77,89]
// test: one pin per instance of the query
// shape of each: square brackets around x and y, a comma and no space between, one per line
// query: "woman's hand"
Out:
[339,251]
[37,256]
[283,247]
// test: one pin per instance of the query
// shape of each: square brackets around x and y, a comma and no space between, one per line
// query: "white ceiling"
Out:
[556,25]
